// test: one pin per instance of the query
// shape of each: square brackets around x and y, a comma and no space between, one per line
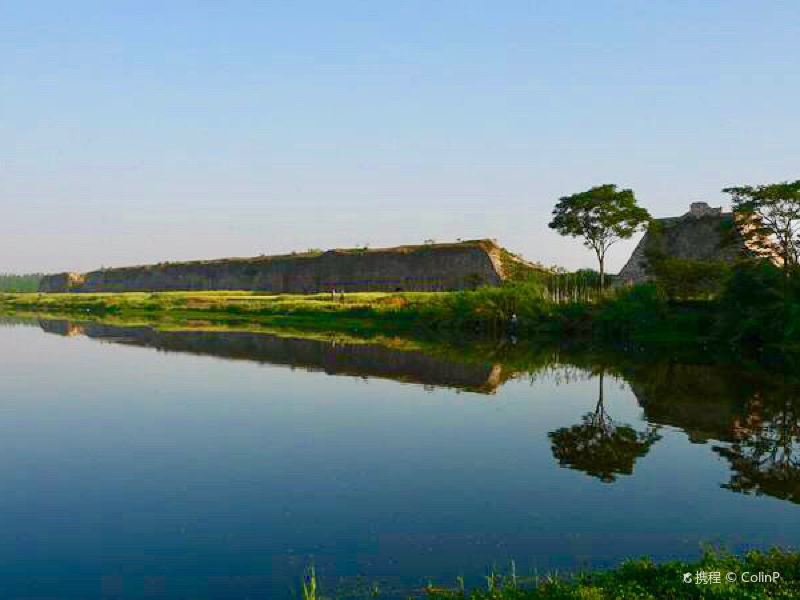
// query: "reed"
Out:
[310,590]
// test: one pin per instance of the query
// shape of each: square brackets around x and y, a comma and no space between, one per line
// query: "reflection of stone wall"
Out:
[59,327]
[706,401]
[367,360]
[432,267]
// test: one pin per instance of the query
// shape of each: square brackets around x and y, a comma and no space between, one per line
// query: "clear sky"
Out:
[145,131]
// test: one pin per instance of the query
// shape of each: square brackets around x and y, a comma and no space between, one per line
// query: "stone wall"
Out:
[703,233]
[430,267]
[60,282]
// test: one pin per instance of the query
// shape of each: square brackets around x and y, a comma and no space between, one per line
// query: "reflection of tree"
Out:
[765,454]
[600,447]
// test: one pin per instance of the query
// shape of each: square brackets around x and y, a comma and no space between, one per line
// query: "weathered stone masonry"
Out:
[430,267]
[703,233]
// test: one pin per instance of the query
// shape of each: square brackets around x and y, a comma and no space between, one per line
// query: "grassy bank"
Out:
[645,580]
[519,309]
[752,576]
[748,314]
[362,313]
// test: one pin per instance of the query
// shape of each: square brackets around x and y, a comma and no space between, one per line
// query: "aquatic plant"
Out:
[310,584]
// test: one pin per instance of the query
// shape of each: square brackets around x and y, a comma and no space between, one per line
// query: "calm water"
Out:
[146,464]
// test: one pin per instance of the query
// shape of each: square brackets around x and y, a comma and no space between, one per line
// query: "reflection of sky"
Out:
[120,460]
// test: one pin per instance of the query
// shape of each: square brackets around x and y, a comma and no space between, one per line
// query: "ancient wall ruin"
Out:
[703,233]
[430,267]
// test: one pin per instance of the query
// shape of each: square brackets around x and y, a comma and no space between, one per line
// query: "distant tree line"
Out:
[28,282]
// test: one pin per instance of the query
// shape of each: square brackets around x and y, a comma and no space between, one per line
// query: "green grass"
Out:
[485,311]
[645,580]
[361,312]
[252,306]
[640,579]
[310,585]
[639,315]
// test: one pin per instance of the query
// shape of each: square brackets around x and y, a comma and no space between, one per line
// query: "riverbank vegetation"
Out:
[716,575]
[645,580]
[10,282]
[753,305]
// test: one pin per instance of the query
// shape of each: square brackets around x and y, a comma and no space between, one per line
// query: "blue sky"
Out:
[145,131]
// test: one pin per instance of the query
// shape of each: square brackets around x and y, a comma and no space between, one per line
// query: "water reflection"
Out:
[598,445]
[130,452]
[332,356]
[764,454]
[752,417]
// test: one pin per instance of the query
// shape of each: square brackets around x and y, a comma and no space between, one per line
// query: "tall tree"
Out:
[601,216]
[773,214]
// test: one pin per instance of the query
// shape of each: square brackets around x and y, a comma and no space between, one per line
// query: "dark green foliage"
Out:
[633,310]
[19,283]
[488,309]
[761,306]
[684,278]
[645,580]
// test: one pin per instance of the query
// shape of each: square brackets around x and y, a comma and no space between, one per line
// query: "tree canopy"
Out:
[601,216]
[774,218]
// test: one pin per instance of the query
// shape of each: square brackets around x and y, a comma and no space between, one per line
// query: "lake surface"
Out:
[139,463]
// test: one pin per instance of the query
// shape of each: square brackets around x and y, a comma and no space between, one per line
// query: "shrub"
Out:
[683,278]
[632,310]
[488,308]
[761,305]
